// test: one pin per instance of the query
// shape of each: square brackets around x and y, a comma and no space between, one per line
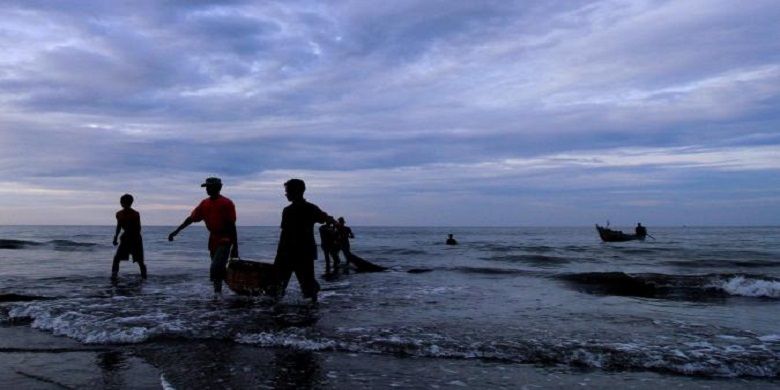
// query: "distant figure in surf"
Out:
[219,214]
[297,249]
[330,246]
[640,230]
[130,243]
[451,240]
[344,234]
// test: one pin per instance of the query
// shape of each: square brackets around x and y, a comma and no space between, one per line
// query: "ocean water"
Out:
[698,302]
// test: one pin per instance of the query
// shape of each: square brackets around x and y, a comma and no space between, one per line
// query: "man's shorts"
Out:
[130,247]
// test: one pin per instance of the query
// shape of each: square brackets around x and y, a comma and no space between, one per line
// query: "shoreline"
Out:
[34,359]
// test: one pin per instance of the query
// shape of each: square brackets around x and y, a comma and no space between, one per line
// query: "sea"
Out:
[514,307]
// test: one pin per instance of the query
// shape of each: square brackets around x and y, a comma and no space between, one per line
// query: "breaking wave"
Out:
[696,358]
[141,319]
[685,287]
[749,287]
[17,244]
[537,260]
[61,245]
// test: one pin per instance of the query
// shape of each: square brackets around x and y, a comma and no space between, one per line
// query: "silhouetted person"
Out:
[451,241]
[297,249]
[219,214]
[640,230]
[344,234]
[330,246]
[130,244]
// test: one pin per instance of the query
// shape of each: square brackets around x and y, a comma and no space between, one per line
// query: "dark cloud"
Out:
[401,91]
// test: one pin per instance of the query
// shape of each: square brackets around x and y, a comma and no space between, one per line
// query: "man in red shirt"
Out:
[219,214]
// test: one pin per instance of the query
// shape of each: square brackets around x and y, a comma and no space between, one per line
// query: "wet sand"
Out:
[30,359]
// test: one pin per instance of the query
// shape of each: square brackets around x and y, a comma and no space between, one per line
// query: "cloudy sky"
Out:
[396,112]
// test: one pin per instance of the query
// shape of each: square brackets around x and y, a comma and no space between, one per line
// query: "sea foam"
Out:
[750,287]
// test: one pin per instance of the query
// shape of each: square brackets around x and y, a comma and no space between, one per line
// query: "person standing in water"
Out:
[130,243]
[330,246]
[451,240]
[219,214]
[344,234]
[297,249]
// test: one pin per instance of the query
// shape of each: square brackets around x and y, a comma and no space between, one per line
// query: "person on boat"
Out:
[219,214]
[640,230]
[330,246]
[297,249]
[130,243]
[451,240]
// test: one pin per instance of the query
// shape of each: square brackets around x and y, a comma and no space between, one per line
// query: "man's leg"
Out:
[122,253]
[218,266]
[346,259]
[327,260]
[115,268]
[304,271]
[138,257]
[283,274]
[336,260]
[142,266]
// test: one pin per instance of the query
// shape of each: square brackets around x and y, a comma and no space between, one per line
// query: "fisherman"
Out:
[131,243]
[344,234]
[451,240]
[330,246]
[297,249]
[219,214]
[640,230]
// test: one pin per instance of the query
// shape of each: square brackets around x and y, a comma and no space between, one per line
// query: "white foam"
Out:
[165,384]
[749,287]
[285,339]
[770,338]
[93,329]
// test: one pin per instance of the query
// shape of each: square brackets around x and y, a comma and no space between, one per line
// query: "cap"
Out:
[212,181]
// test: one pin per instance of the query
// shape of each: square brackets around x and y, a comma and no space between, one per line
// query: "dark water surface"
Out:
[694,303]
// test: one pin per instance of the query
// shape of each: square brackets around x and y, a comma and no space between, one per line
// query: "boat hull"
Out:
[609,235]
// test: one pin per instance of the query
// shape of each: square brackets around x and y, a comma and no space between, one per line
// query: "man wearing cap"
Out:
[219,214]
[297,249]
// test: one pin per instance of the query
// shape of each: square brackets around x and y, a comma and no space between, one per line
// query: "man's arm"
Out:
[116,234]
[234,238]
[187,222]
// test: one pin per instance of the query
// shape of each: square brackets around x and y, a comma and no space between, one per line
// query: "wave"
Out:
[749,287]
[683,287]
[11,297]
[17,244]
[398,251]
[538,260]
[696,358]
[490,271]
[67,245]
[141,320]
[61,245]
[714,263]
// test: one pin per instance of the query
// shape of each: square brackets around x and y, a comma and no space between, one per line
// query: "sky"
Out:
[402,113]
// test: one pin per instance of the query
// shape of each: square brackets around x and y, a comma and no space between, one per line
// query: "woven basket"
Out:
[246,277]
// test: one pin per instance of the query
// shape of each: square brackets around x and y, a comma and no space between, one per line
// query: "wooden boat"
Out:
[609,235]
[247,277]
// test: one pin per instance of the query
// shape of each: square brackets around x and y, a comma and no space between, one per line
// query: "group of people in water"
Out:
[334,238]
[295,252]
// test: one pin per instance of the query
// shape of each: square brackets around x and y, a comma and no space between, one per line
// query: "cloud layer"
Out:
[403,112]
